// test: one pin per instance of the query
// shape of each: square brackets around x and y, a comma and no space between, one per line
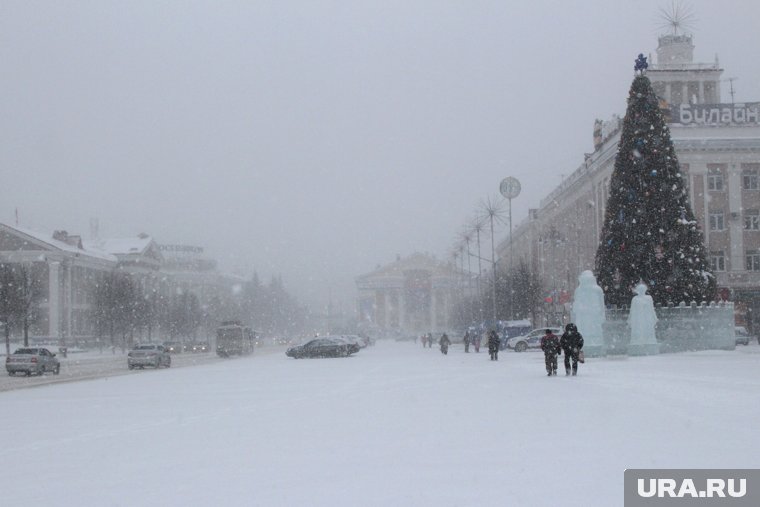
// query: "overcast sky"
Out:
[316,139]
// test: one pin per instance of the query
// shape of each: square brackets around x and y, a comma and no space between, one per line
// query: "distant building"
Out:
[67,269]
[414,294]
[65,272]
[718,147]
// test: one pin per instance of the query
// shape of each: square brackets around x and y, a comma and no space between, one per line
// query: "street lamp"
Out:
[493,212]
[510,188]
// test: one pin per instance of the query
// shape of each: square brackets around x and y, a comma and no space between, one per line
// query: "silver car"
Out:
[32,360]
[148,355]
[531,340]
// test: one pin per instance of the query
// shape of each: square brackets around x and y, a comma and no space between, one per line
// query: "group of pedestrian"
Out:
[571,343]
[473,339]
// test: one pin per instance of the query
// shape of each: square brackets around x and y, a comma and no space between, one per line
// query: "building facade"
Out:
[414,294]
[64,274]
[65,271]
[718,148]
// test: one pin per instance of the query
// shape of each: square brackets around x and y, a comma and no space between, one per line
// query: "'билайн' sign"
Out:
[716,114]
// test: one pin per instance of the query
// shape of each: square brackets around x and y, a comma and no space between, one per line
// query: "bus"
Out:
[234,339]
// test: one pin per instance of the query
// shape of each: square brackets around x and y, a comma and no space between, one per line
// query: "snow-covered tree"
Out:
[650,233]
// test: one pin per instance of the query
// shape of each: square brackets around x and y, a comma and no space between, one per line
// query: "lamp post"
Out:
[510,188]
[493,211]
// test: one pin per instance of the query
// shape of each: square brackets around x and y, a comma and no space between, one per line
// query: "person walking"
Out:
[466,340]
[430,340]
[445,342]
[572,344]
[423,338]
[493,345]
[476,341]
[550,346]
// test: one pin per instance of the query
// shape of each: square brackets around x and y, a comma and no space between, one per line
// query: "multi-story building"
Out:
[63,274]
[718,148]
[65,271]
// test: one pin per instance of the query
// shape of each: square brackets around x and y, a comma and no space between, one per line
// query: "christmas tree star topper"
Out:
[641,64]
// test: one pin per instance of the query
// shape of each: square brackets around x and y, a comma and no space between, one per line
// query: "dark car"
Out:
[198,347]
[323,347]
[174,347]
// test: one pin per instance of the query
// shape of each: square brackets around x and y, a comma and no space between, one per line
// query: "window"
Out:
[716,220]
[750,179]
[715,180]
[753,260]
[752,220]
[718,261]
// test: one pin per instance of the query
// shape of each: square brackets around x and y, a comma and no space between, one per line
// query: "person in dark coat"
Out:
[493,345]
[444,342]
[571,343]
[466,341]
[430,340]
[550,346]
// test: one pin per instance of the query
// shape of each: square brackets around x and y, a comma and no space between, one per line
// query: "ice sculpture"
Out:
[589,314]
[642,320]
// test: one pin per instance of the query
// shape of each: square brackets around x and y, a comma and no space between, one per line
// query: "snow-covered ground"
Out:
[393,425]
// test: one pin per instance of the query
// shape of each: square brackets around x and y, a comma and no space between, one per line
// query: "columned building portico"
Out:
[412,294]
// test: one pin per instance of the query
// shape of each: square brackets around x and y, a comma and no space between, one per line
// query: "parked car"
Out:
[323,347]
[32,360]
[148,354]
[742,336]
[199,347]
[513,330]
[531,340]
[174,347]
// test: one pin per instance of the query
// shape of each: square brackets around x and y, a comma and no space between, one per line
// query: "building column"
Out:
[401,309]
[701,92]
[685,99]
[54,299]
[386,309]
[668,92]
[68,300]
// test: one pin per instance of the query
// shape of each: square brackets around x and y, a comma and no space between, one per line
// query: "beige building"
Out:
[64,272]
[414,294]
[718,147]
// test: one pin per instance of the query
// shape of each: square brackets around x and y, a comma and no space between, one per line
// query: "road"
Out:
[92,365]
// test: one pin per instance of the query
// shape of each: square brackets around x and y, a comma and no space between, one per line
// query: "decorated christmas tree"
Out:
[649,232]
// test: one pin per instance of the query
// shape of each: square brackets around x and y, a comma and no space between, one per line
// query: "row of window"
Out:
[751,260]
[717,221]
[750,179]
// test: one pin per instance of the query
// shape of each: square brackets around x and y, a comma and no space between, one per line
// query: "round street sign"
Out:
[509,187]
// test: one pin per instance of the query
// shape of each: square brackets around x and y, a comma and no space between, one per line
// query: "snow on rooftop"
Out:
[47,238]
[121,246]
